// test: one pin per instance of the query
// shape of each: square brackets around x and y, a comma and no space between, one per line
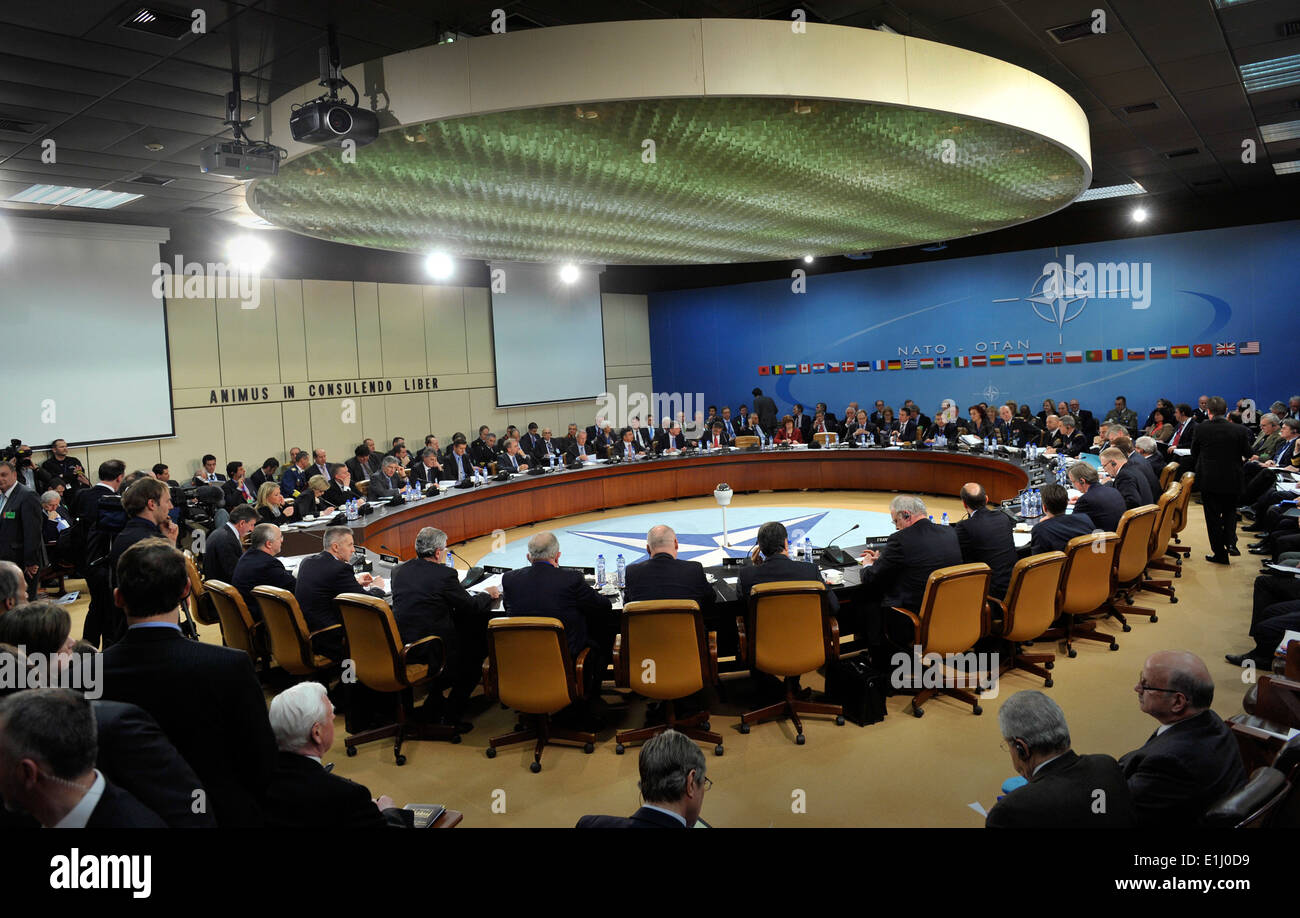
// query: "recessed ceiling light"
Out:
[439,265]
[154,147]
[1139,214]
[1286,130]
[569,273]
[1287,168]
[1110,191]
[807,259]
[63,195]
[1271,74]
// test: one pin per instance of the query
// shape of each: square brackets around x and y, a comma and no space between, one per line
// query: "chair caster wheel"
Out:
[491,752]
[717,750]
[705,726]
[352,751]
[1173,599]
[400,759]
[1127,628]
[588,748]
[455,739]
[839,720]
[1154,619]
[1072,653]
[744,728]
[917,712]
[1050,664]
[799,740]
[620,749]
[1178,573]
[535,767]
[1048,683]
[519,727]
[1114,647]
[977,710]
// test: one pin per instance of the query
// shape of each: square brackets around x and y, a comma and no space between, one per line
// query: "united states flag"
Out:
[1249,347]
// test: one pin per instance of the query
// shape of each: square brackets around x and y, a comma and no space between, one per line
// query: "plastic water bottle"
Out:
[600,571]
[1036,507]
[451,560]
[932,517]
[621,571]
[807,549]
[944,521]
[1024,504]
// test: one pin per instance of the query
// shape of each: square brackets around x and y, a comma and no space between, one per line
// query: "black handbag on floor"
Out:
[859,688]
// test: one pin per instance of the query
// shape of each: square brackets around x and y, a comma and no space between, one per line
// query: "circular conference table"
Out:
[528,499]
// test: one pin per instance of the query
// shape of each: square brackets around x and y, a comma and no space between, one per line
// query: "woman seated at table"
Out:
[980,423]
[787,432]
[1161,430]
[888,424]
[311,501]
[271,506]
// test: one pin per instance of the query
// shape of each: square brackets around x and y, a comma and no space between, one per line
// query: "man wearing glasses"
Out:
[1192,759]
[672,785]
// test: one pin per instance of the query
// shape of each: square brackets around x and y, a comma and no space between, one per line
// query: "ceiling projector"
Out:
[329,121]
[241,160]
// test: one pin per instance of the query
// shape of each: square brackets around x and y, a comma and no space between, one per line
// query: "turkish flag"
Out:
[1203,350]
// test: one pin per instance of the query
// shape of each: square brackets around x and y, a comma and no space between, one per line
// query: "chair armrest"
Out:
[442,656]
[742,644]
[577,671]
[995,616]
[833,638]
[323,630]
[916,619]
[713,656]
[489,681]
[619,675]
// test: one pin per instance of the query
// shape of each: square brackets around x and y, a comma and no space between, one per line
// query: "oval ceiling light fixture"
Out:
[715,141]
[439,265]
[248,254]
[807,259]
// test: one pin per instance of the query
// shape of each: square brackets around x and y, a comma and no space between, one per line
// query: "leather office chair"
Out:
[1131,558]
[238,630]
[377,652]
[669,633]
[362,487]
[954,615]
[1288,760]
[745,442]
[530,670]
[290,640]
[200,603]
[1160,542]
[1255,805]
[1167,474]
[829,438]
[1084,590]
[787,634]
[1028,611]
[1180,517]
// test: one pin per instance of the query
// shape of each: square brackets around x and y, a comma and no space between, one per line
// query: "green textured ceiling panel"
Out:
[734,180]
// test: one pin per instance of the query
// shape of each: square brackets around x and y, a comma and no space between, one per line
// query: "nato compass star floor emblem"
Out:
[705,547]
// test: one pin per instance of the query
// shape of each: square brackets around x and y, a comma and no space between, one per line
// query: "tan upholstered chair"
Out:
[530,670]
[745,442]
[786,634]
[376,650]
[1160,542]
[1131,557]
[238,630]
[200,603]
[668,634]
[1028,611]
[287,630]
[1085,588]
[829,438]
[1168,474]
[1180,517]
[954,615]
[362,487]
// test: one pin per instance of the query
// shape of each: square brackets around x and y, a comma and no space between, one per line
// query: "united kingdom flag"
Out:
[1225,348]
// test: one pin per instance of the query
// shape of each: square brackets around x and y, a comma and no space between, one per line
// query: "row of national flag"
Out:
[1096,355]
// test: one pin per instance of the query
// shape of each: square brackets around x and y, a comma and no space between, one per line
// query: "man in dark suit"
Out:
[47,765]
[1055,530]
[263,475]
[896,575]
[1137,463]
[302,793]
[1192,759]
[1068,440]
[663,575]
[147,505]
[1129,481]
[1184,437]
[531,441]
[604,441]
[671,440]
[512,458]
[802,422]
[208,474]
[1085,419]
[294,480]
[66,468]
[359,464]
[459,465]
[907,427]
[549,452]
[205,698]
[877,416]
[673,783]
[1062,788]
[427,470]
[21,539]
[1104,505]
[225,544]
[340,489]
[1261,477]
[986,536]
[322,577]
[236,490]
[388,482]
[544,589]
[259,566]
[716,437]
[765,408]
[91,544]
[1217,454]
[579,451]
[1149,449]
[428,599]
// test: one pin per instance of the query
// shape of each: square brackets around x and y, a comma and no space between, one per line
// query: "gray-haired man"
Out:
[673,783]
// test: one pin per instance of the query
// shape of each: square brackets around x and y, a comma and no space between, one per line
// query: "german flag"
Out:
[895,364]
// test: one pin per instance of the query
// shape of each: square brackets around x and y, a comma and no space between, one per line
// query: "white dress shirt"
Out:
[79,815]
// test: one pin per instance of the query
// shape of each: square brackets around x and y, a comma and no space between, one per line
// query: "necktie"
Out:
[729,431]
[582,451]
[3,500]
[715,441]
[1177,434]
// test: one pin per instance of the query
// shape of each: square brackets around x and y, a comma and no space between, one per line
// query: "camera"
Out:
[197,504]
[19,455]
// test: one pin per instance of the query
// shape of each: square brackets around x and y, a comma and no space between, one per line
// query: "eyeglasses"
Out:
[707,783]
[1143,687]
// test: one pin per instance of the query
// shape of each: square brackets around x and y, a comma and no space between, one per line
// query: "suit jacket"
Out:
[571,454]
[1061,794]
[259,478]
[509,463]
[908,559]
[804,423]
[1104,505]
[530,443]
[308,504]
[21,538]
[1217,454]
[1185,434]
[209,703]
[202,479]
[1071,445]
[667,441]
[453,467]
[137,529]
[1128,417]
[723,440]
[783,567]
[425,596]
[1265,445]
[765,408]
[303,795]
[643,818]
[256,568]
[544,589]
[360,471]
[601,443]
[552,447]
[294,481]
[235,497]
[118,809]
[221,554]
[382,486]
[986,536]
[1133,485]
[137,756]
[666,577]
[1055,533]
[337,497]
[1142,466]
[320,578]
[423,475]
[1175,776]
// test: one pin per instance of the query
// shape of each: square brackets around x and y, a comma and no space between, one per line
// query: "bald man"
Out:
[986,536]
[1192,759]
[662,575]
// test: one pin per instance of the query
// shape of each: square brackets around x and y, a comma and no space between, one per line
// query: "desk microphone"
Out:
[836,556]
[390,556]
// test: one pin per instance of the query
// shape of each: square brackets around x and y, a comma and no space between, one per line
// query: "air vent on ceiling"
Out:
[1175,154]
[1141,107]
[156,180]
[164,21]
[1289,29]
[196,209]
[14,126]
[1073,32]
